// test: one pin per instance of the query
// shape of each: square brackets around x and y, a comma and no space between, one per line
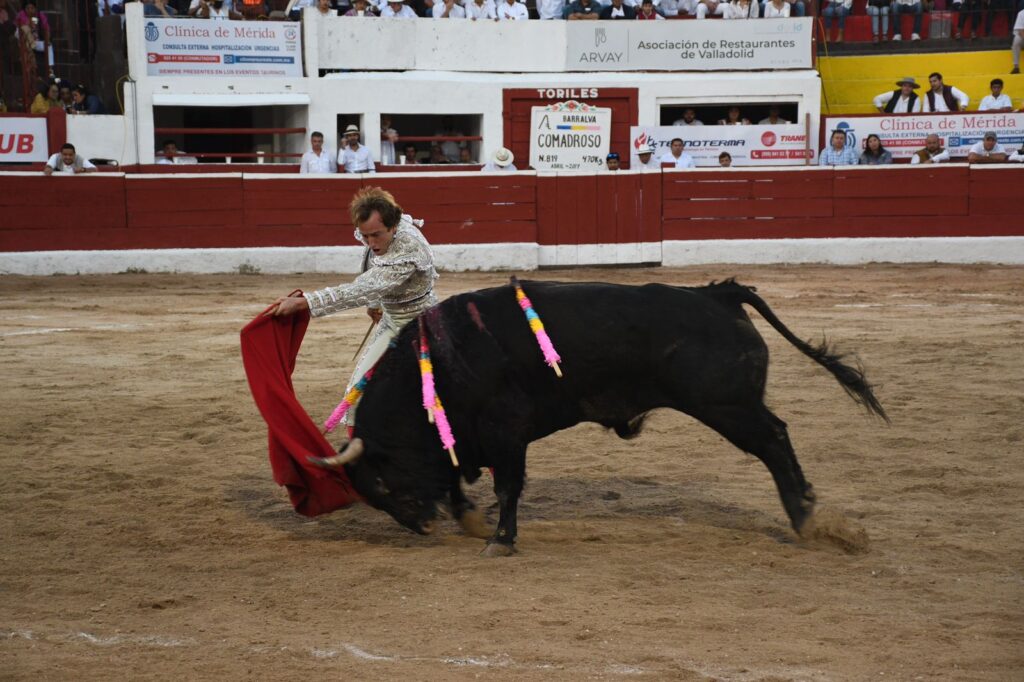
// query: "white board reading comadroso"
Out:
[571,136]
[187,47]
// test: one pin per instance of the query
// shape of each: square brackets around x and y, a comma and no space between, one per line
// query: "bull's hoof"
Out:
[475,525]
[497,549]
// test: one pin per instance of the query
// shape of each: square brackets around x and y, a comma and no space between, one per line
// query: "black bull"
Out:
[625,350]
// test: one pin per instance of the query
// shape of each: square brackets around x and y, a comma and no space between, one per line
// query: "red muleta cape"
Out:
[269,347]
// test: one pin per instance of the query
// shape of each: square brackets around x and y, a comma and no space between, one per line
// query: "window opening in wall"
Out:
[434,138]
[258,134]
[711,114]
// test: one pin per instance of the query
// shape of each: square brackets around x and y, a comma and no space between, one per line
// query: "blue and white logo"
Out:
[152,32]
[851,137]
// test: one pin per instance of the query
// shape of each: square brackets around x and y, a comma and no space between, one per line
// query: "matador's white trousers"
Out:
[386,330]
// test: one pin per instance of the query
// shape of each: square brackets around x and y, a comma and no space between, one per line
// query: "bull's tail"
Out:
[852,379]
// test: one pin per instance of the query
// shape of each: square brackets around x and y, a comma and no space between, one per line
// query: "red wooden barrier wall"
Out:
[100,211]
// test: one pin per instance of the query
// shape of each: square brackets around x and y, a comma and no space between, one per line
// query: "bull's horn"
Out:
[350,454]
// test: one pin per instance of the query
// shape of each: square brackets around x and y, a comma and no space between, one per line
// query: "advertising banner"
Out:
[569,136]
[689,45]
[187,47]
[904,134]
[23,139]
[753,145]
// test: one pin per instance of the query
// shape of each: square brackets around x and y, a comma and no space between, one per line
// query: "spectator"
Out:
[901,7]
[388,137]
[501,161]
[355,158]
[481,9]
[67,100]
[172,156]
[902,101]
[437,155]
[324,9]
[318,159]
[645,155]
[86,104]
[35,33]
[465,156]
[1017,156]
[611,161]
[706,7]
[838,9]
[932,152]
[295,13]
[876,9]
[689,118]
[647,12]
[837,153]
[776,9]
[449,147]
[157,8]
[943,97]
[874,153]
[68,161]
[973,9]
[409,157]
[1018,40]
[214,9]
[360,8]
[583,10]
[998,101]
[448,9]
[398,10]
[673,8]
[774,119]
[742,9]
[796,8]
[676,157]
[618,10]
[512,10]
[549,9]
[987,151]
[725,160]
[47,98]
[733,118]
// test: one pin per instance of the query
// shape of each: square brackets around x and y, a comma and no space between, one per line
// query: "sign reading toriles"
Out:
[569,136]
[689,45]
[186,47]
[23,140]
[904,134]
[754,145]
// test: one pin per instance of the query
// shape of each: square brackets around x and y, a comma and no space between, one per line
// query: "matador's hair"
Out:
[370,199]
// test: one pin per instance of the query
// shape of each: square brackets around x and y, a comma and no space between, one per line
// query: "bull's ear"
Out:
[380,488]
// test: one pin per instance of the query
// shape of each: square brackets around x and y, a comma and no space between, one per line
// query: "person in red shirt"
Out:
[647,11]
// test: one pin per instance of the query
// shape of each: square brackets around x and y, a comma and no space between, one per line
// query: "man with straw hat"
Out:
[902,101]
[501,160]
[397,283]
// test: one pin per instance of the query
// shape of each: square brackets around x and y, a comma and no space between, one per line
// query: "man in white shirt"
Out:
[481,9]
[355,158]
[942,97]
[318,160]
[987,151]
[932,152]
[689,118]
[550,9]
[388,138]
[173,157]
[397,9]
[448,9]
[1018,40]
[500,161]
[511,10]
[676,156]
[68,161]
[998,101]
[773,117]
[902,101]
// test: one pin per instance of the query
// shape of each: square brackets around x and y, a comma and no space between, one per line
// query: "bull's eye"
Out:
[380,487]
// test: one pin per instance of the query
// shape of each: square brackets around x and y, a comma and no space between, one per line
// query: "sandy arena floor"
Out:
[143,537]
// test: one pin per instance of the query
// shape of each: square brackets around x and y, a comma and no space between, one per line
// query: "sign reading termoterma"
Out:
[755,145]
[187,47]
[569,136]
[689,45]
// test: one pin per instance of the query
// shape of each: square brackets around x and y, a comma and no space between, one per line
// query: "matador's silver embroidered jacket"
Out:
[401,282]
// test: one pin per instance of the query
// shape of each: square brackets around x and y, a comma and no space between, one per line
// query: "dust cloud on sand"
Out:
[143,537]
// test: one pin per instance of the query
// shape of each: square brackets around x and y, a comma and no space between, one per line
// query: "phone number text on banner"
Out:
[753,145]
[903,135]
[186,47]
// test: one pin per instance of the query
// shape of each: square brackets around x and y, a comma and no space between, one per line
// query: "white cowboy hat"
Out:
[352,129]
[644,149]
[502,157]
